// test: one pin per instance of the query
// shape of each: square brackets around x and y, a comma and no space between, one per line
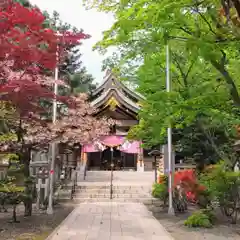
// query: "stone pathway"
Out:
[110,221]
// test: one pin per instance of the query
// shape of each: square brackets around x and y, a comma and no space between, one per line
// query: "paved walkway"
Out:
[110,221]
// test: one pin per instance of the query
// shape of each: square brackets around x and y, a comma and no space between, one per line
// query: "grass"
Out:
[30,236]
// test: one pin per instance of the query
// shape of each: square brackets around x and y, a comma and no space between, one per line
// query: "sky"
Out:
[91,21]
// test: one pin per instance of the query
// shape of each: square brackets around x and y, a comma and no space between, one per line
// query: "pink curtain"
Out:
[131,147]
[113,141]
[90,148]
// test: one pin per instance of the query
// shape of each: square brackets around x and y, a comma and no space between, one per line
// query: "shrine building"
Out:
[114,100]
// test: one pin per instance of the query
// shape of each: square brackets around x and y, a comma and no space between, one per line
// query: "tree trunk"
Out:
[14,216]
[28,207]
[235,216]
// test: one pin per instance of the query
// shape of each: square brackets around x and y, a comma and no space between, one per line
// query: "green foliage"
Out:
[16,172]
[7,186]
[223,187]
[11,194]
[160,191]
[203,106]
[199,219]
[25,3]
[204,199]
[210,214]
[71,69]
[8,137]
[81,82]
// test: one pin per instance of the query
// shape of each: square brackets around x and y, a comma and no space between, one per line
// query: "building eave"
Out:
[101,100]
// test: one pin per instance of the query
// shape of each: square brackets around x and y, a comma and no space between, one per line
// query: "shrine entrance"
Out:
[121,160]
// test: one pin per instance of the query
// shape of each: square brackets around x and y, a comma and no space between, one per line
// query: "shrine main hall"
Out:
[114,100]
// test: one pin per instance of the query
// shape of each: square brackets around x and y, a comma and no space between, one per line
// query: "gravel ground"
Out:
[36,227]
[175,226]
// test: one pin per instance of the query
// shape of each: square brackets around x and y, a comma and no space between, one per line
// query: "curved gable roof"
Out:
[120,97]
[108,80]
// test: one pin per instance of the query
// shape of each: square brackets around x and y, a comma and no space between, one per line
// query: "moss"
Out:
[31,236]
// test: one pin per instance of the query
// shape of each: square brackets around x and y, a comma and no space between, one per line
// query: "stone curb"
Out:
[61,224]
[170,237]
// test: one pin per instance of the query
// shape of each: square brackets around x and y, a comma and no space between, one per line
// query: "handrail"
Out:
[85,173]
[111,182]
[74,183]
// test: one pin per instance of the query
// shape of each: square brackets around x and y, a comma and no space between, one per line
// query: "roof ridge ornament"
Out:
[112,103]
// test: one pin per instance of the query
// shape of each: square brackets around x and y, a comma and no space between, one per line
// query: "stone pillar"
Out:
[160,169]
[140,160]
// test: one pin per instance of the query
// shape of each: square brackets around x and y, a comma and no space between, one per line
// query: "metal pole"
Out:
[85,172]
[112,165]
[53,153]
[170,176]
[155,160]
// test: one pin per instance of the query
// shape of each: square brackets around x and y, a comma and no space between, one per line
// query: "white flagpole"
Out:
[53,151]
[170,170]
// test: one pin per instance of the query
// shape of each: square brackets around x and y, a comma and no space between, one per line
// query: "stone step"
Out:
[118,188]
[153,204]
[107,186]
[147,201]
[64,194]
[115,191]
[87,195]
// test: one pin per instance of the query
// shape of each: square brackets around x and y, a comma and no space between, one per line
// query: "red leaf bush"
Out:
[189,182]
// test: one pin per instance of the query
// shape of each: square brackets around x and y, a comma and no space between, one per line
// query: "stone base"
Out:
[140,167]
[81,167]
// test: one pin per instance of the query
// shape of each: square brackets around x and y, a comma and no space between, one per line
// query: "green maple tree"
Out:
[204,101]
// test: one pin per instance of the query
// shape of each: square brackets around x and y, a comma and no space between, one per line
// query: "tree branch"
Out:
[207,22]
[184,75]
[230,82]
[237,6]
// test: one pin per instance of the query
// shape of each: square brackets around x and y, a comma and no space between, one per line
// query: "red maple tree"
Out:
[26,49]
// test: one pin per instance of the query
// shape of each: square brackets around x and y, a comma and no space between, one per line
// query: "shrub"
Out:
[204,199]
[163,179]
[223,187]
[179,199]
[189,182]
[210,215]
[185,189]
[14,195]
[198,219]
[160,191]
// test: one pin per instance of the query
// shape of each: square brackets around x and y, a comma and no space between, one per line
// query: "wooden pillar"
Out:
[83,160]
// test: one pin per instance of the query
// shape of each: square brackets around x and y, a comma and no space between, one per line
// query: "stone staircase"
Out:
[127,187]
[120,193]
